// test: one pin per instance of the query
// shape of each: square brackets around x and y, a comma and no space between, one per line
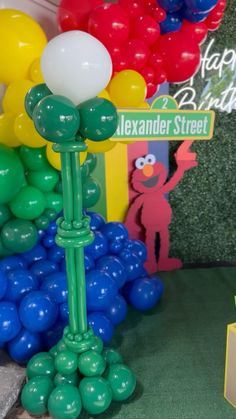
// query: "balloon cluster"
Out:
[31,195]
[33,288]
[63,383]
[159,40]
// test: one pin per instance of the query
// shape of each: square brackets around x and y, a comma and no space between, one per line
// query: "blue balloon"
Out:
[117,311]
[172,23]
[101,290]
[41,234]
[200,5]
[38,311]
[144,294]
[63,265]
[12,262]
[56,253]
[189,15]
[56,286]
[114,267]
[115,231]
[37,253]
[101,326]
[24,346]
[20,283]
[138,248]
[43,268]
[2,345]
[88,262]
[171,5]
[48,241]
[115,246]
[99,247]
[52,228]
[52,336]
[64,313]
[96,220]
[9,321]
[133,265]
[3,284]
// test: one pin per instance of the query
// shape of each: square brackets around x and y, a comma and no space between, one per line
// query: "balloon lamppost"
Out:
[65,111]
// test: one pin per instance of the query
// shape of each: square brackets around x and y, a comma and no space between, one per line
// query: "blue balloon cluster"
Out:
[33,288]
[176,10]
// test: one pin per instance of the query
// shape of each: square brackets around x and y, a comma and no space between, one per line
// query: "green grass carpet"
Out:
[178,351]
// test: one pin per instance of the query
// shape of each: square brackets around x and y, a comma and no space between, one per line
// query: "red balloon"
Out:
[156,61]
[118,60]
[74,14]
[146,28]
[136,52]
[151,90]
[148,74]
[158,13]
[181,56]
[197,31]
[110,24]
[134,8]
[160,77]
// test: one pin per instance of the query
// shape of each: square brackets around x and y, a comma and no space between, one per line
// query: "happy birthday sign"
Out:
[219,71]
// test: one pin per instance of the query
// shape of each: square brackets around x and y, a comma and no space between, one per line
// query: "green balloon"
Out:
[42,222]
[56,119]
[53,351]
[91,161]
[66,362]
[112,356]
[35,395]
[41,364]
[45,179]
[3,250]
[54,201]
[19,235]
[98,344]
[91,363]
[61,346]
[5,214]
[28,204]
[61,379]
[98,119]
[96,394]
[84,172]
[121,380]
[58,187]
[91,192]
[34,95]
[34,158]
[11,174]
[65,402]
[50,214]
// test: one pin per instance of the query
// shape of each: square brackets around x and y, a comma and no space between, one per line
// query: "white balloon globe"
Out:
[76,65]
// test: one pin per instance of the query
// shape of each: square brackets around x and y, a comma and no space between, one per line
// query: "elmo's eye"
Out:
[150,159]
[139,164]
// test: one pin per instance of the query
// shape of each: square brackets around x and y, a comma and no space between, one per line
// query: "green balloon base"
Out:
[78,373]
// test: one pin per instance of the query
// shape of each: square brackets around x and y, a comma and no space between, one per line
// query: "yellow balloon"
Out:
[104,94]
[55,160]
[35,71]
[7,133]
[144,105]
[127,89]
[14,98]
[26,132]
[100,146]
[22,40]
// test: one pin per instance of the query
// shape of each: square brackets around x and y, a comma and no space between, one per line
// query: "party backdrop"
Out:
[204,223]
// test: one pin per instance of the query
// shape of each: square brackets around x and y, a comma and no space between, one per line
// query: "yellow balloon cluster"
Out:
[22,41]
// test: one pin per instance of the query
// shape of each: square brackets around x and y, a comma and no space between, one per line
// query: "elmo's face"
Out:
[149,176]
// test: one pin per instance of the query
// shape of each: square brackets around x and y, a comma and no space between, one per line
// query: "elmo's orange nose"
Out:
[148,170]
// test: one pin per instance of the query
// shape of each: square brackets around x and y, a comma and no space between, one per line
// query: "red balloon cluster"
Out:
[130,31]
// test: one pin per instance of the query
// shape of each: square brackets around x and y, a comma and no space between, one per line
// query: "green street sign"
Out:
[164,122]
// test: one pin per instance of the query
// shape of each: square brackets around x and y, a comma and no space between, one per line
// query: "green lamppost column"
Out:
[74,234]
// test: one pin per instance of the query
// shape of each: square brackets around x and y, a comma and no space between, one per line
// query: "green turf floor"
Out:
[178,350]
